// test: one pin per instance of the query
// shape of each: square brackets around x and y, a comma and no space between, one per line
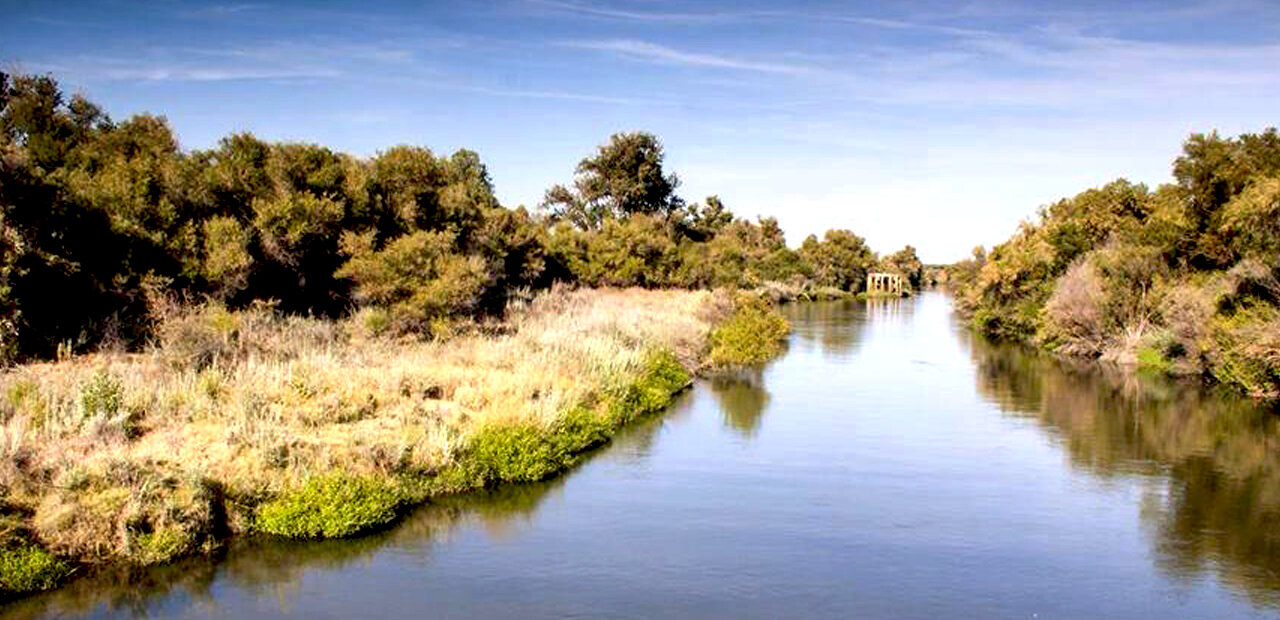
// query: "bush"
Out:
[417,277]
[103,395]
[512,451]
[523,451]
[332,506]
[752,334]
[28,568]
[1247,351]
[651,392]
[1074,313]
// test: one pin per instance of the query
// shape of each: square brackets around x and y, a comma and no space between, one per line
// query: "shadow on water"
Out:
[273,568]
[1210,459]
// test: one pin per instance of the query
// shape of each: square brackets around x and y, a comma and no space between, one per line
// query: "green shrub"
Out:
[580,429]
[102,395]
[332,506]
[418,277]
[227,260]
[28,568]
[752,334]
[651,392]
[519,451]
[512,451]
[1247,349]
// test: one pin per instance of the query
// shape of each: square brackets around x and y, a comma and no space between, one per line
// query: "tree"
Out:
[841,259]
[704,222]
[624,178]
[905,263]
[417,278]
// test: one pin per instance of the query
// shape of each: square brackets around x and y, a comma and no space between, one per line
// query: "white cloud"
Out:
[651,51]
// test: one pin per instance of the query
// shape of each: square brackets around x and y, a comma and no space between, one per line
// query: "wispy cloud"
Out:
[106,69]
[278,60]
[679,17]
[645,50]
[596,10]
[518,93]
[223,10]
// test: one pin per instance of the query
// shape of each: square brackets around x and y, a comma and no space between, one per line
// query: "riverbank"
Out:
[1183,279]
[253,422]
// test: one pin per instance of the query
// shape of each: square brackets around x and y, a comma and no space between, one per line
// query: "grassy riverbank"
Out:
[256,422]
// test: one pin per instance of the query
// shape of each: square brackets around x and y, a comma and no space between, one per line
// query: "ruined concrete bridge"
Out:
[885,284]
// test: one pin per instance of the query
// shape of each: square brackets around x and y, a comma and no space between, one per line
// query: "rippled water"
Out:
[888,465]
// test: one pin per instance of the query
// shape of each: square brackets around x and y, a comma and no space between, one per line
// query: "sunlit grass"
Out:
[245,420]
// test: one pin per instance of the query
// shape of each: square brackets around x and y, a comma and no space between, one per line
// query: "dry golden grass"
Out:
[124,456]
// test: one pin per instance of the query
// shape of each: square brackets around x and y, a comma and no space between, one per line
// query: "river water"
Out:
[890,464]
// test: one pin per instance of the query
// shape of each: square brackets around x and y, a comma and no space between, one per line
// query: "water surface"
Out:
[888,465]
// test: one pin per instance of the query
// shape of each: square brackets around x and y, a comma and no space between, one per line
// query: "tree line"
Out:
[1184,278]
[98,217]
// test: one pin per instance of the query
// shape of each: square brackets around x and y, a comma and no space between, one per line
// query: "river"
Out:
[889,464]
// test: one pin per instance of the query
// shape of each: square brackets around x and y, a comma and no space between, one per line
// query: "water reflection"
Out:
[836,327]
[1209,458]
[742,397]
[889,310]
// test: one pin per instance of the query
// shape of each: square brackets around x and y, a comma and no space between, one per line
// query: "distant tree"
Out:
[625,177]
[702,222]
[841,259]
[905,263]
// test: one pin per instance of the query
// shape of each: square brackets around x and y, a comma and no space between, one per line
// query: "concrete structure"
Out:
[885,284]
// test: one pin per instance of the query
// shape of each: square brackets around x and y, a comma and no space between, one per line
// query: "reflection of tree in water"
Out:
[1216,455]
[742,398]
[836,326]
[267,566]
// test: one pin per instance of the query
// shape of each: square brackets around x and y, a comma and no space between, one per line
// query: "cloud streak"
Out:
[644,50]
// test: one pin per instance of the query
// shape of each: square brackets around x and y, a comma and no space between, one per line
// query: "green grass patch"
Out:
[498,452]
[333,506]
[518,451]
[162,545]
[752,334]
[1152,360]
[651,392]
[512,452]
[28,568]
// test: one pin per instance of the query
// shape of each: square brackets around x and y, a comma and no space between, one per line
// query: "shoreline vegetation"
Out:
[277,338]
[1183,279]
[310,428]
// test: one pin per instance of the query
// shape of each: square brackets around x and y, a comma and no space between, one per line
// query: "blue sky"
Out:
[939,124]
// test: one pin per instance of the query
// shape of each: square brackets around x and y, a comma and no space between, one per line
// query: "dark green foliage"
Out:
[332,506]
[704,222]
[98,220]
[625,177]
[1247,351]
